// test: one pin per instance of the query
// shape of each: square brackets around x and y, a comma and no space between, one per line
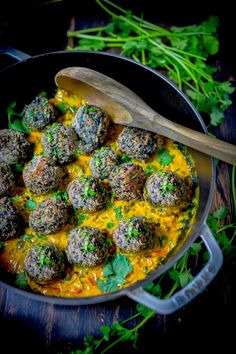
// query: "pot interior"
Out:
[23,81]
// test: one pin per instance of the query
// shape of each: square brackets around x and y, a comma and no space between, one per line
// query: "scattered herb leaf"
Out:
[21,281]
[164,157]
[30,205]
[2,245]
[115,272]
[16,123]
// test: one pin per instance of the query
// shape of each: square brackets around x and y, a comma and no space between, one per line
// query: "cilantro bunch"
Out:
[181,52]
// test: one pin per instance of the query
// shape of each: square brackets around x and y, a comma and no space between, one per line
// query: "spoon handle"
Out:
[196,140]
[125,107]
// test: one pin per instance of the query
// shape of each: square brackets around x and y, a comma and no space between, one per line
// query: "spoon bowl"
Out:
[125,107]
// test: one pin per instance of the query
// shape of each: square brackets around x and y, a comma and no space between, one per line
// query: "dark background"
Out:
[37,27]
[40,26]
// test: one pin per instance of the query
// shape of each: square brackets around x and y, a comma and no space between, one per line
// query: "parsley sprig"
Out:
[182,52]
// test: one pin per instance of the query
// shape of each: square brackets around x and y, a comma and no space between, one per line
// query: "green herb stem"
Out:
[233,189]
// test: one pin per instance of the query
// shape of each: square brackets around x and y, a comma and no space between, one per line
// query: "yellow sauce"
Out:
[81,282]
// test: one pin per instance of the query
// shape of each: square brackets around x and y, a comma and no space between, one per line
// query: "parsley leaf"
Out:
[110,225]
[115,271]
[62,107]
[16,123]
[221,213]
[2,245]
[30,205]
[150,169]
[81,218]
[21,281]
[164,157]
[118,212]
[61,195]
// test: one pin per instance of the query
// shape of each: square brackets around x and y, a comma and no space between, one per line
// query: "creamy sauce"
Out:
[81,282]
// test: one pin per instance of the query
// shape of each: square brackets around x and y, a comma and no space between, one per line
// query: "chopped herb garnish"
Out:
[118,212]
[2,245]
[97,162]
[124,159]
[44,260]
[16,123]
[62,107]
[115,272]
[164,157]
[61,195]
[89,193]
[26,237]
[134,176]
[166,186]
[19,167]
[42,94]
[92,109]
[81,218]
[132,232]
[150,169]
[16,198]
[161,239]
[110,225]
[21,281]
[30,205]
[88,246]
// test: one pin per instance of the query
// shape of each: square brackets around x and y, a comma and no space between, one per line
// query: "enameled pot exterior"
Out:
[21,82]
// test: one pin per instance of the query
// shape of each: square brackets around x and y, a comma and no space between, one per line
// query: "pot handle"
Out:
[191,290]
[13,53]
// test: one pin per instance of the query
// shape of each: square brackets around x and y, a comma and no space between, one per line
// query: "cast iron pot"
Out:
[22,81]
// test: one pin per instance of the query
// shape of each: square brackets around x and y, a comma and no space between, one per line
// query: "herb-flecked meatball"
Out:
[91,125]
[135,235]
[60,143]
[127,181]
[7,180]
[10,220]
[136,143]
[87,247]
[103,161]
[44,263]
[41,176]
[165,188]
[49,216]
[39,113]
[14,147]
[87,193]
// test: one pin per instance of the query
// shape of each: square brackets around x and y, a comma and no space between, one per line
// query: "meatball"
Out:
[44,263]
[165,188]
[13,146]
[85,148]
[87,247]
[49,216]
[127,181]
[91,125]
[10,221]
[60,143]
[7,180]
[39,113]
[135,235]
[138,144]
[102,162]
[41,176]
[87,193]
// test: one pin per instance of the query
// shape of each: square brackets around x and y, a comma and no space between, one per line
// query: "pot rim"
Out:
[113,295]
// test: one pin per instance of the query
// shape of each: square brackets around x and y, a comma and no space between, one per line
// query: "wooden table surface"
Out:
[33,327]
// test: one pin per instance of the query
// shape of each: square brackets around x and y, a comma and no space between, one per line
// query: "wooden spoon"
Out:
[125,107]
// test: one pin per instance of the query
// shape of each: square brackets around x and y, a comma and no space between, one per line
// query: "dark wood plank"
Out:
[33,327]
